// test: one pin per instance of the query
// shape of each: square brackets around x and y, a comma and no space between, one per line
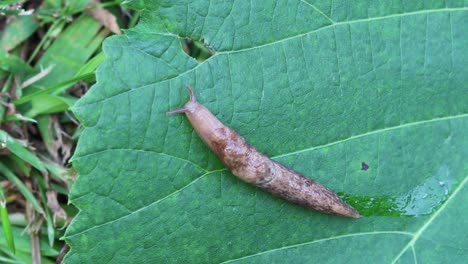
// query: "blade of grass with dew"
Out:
[14,146]
[21,187]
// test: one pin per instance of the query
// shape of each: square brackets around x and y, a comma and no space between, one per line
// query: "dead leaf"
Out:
[54,206]
[106,18]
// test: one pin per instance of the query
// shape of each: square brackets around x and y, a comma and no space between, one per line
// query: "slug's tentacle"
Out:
[193,99]
[177,111]
[250,165]
[185,109]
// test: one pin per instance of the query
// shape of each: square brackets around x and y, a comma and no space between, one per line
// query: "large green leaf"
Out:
[324,87]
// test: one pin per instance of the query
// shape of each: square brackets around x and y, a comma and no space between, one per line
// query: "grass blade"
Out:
[7,227]
[6,223]
[14,146]
[49,221]
[59,86]
[21,187]
[18,31]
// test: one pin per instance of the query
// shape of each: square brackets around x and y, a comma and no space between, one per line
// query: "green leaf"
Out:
[322,87]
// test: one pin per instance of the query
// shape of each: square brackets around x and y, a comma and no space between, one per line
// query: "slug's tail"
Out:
[184,109]
[347,210]
[297,188]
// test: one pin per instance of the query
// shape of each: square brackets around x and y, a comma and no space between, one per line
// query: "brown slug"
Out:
[250,165]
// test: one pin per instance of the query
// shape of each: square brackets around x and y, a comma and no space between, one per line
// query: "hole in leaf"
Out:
[364,166]
[197,49]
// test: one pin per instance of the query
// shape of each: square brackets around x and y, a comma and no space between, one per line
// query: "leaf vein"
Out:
[410,124]
[140,150]
[280,41]
[323,240]
[146,206]
[319,11]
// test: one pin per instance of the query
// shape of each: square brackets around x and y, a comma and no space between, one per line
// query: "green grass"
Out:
[49,53]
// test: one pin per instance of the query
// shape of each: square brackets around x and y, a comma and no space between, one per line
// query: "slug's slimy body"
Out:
[250,165]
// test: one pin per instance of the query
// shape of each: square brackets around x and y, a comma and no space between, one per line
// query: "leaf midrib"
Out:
[405,125]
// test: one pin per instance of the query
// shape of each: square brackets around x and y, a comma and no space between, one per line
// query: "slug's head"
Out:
[189,106]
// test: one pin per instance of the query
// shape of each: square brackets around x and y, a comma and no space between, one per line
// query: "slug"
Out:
[250,165]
